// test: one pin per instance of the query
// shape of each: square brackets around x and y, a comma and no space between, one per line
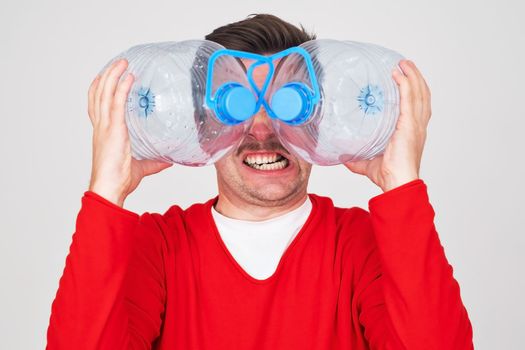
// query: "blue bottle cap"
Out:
[236,103]
[291,103]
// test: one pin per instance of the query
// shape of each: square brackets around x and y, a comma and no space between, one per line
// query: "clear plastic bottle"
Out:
[166,114]
[358,106]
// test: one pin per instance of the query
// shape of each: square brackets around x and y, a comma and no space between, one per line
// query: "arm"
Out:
[112,291]
[111,294]
[409,298]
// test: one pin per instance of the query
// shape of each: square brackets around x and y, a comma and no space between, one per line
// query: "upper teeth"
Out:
[263,159]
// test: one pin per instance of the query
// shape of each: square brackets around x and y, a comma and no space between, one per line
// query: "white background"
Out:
[471,52]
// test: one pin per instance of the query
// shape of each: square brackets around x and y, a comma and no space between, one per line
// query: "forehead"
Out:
[260,71]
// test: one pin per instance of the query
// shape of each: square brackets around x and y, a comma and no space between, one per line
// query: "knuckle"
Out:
[98,92]
[115,109]
[119,93]
[113,74]
[406,84]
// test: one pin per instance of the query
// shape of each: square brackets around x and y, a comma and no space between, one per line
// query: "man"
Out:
[320,277]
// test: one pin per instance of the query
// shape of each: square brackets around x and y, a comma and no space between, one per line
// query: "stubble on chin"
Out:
[270,195]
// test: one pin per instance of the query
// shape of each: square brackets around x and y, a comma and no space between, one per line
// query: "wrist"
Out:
[392,182]
[116,197]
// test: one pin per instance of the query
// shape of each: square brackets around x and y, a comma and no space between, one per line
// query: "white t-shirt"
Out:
[257,246]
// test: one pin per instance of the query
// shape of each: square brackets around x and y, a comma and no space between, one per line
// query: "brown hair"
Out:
[260,34]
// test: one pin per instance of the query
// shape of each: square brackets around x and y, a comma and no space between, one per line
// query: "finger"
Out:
[98,90]
[413,79]
[425,94]
[120,98]
[405,96]
[427,109]
[100,87]
[91,100]
[428,105]
[421,79]
[109,88]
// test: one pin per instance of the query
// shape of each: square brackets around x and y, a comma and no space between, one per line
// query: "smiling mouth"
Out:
[266,161]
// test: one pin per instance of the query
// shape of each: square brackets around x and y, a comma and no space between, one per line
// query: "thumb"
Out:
[150,167]
[358,167]
[363,167]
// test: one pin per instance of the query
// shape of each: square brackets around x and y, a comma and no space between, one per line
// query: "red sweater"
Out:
[351,279]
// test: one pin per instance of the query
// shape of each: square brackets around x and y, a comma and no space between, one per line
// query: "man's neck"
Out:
[243,210]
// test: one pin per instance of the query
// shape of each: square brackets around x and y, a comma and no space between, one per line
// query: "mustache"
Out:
[253,145]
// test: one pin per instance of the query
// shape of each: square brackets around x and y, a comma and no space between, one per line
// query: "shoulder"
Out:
[342,217]
[352,225]
[176,219]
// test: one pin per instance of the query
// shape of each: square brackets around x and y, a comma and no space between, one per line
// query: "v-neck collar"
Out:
[288,251]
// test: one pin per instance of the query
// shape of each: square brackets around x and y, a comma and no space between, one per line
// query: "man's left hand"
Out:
[399,164]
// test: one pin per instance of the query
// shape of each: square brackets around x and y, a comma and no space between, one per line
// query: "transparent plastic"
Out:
[359,103]
[166,113]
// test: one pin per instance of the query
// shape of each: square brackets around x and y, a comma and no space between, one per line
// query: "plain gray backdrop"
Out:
[471,53]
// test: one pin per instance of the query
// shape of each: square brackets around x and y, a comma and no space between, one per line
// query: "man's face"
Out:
[261,171]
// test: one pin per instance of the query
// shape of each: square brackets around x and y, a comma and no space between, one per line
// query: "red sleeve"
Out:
[410,299]
[111,294]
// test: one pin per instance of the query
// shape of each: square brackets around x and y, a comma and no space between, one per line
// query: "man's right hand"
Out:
[115,173]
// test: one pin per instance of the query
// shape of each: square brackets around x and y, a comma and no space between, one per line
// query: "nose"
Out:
[261,128]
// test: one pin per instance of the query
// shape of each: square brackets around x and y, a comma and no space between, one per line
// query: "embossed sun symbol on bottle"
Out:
[371,99]
[146,102]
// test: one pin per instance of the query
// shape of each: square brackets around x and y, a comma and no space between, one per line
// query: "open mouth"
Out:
[266,161]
